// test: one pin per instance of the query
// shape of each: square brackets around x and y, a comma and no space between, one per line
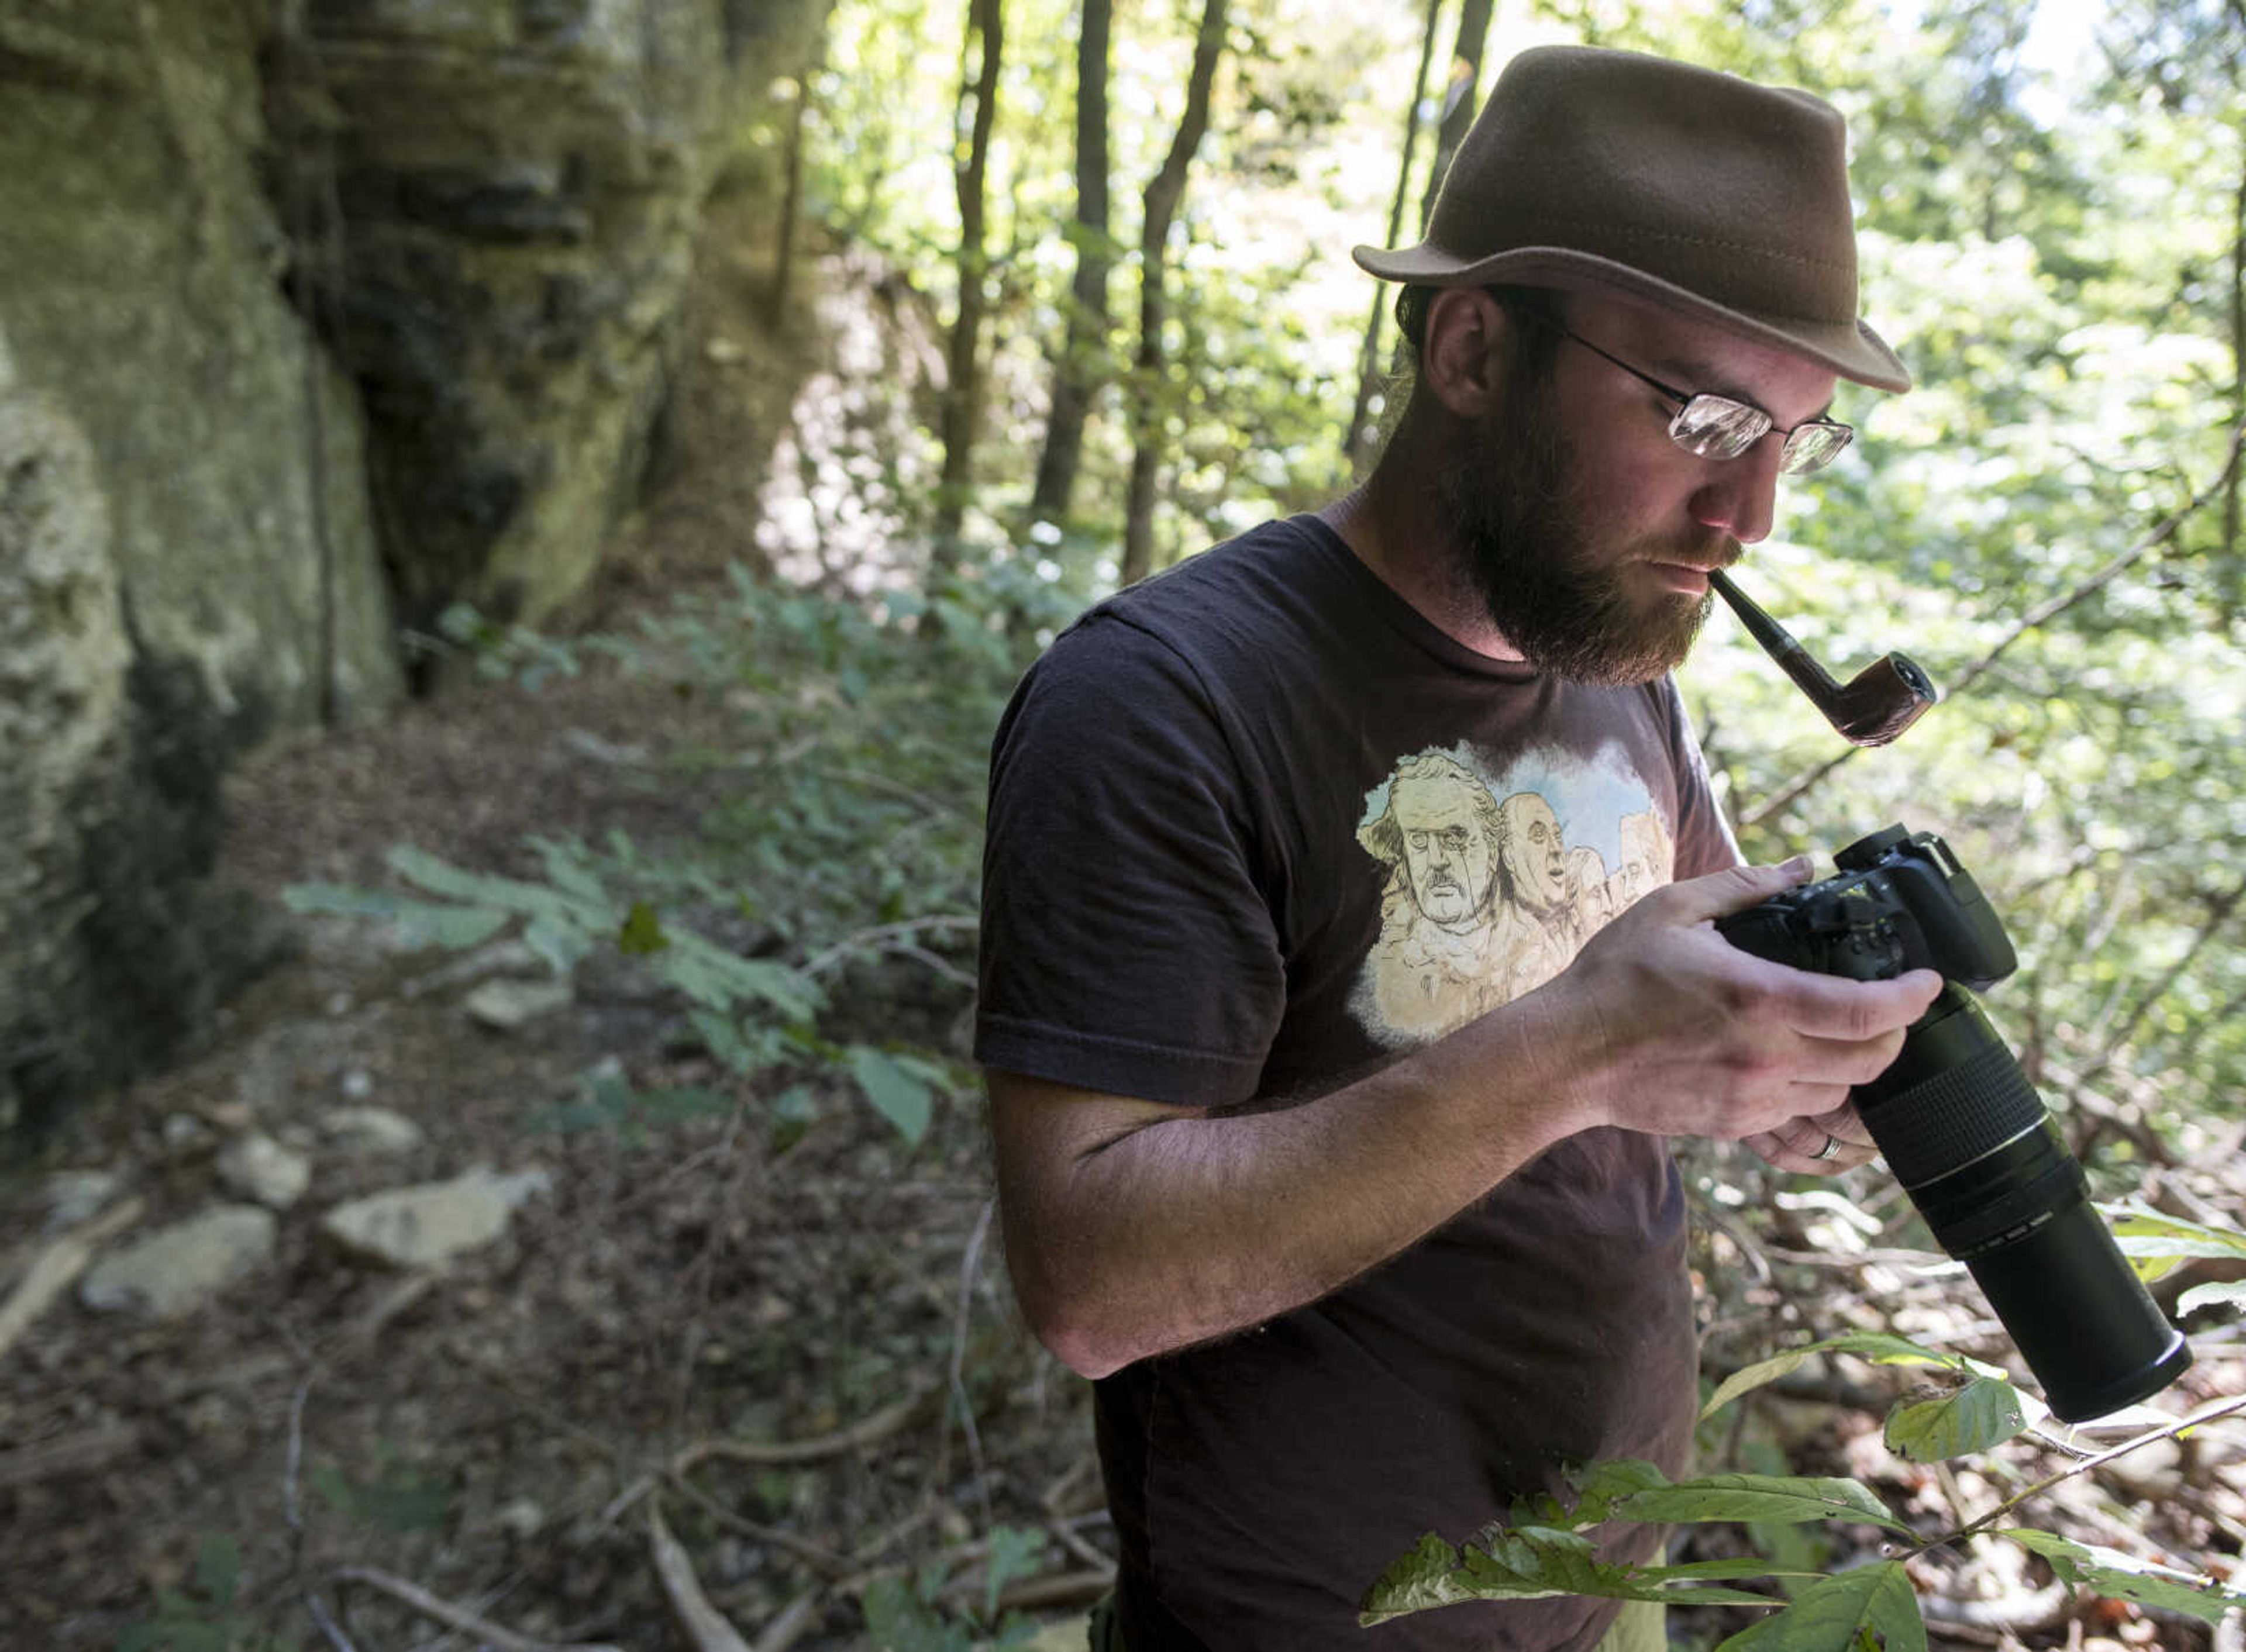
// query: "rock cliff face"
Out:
[315,315]
[517,184]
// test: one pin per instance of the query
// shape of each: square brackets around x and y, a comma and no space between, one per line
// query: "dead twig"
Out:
[57,1267]
[698,1621]
[1058,1589]
[825,1560]
[871,1430]
[970,1265]
[787,1628]
[456,1617]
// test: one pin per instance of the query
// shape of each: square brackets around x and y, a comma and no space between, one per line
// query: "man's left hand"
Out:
[1824,1145]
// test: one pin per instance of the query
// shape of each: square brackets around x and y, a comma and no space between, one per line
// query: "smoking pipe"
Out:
[1878,703]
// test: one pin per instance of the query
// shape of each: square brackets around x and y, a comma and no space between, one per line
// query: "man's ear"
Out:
[1468,343]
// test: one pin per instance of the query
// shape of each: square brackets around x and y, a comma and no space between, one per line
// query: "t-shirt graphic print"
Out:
[1494,877]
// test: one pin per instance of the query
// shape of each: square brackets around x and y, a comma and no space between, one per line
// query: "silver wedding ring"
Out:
[1831,1148]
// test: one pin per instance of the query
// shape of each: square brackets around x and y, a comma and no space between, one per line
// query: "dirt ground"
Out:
[797,1369]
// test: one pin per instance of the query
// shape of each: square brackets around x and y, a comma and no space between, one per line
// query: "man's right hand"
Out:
[1688,1035]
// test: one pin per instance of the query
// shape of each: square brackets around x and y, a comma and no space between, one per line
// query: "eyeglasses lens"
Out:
[1716,427]
[1812,447]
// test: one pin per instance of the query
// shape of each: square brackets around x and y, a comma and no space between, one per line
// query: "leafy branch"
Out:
[1544,1548]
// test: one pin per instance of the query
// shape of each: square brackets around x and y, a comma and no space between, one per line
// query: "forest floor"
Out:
[693,1345]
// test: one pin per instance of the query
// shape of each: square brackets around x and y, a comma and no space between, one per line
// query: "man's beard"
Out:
[1516,503]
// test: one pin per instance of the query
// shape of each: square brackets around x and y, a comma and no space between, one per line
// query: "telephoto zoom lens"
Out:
[1965,1133]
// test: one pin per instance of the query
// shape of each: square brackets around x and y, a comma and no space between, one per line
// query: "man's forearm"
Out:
[1134,1229]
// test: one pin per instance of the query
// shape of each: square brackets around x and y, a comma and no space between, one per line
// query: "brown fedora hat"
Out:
[1700,191]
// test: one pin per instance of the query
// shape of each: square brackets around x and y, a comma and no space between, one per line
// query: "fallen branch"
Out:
[56,1269]
[890,1419]
[456,1617]
[699,1622]
[79,1453]
[825,1560]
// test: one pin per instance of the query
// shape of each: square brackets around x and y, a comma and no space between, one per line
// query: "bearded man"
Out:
[1339,1281]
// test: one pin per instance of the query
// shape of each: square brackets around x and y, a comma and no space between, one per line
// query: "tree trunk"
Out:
[2236,601]
[1458,100]
[1163,193]
[1077,374]
[1357,435]
[962,410]
[791,205]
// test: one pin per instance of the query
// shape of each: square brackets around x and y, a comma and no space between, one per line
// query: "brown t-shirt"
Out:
[1257,828]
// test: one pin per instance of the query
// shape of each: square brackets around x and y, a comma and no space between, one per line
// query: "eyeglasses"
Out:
[1718,427]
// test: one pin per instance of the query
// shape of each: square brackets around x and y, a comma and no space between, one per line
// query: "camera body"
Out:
[1900,901]
[1963,1130]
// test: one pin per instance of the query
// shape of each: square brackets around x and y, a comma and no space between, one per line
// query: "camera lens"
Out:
[1963,1130]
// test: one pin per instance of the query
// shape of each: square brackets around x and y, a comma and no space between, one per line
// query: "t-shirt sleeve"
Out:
[1705,842]
[1128,943]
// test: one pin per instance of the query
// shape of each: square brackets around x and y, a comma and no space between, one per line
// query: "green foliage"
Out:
[398,1497]
[847,833]
[609,1103]
[906,1614]
[2125,1577]
[1542,1549]
[1863,1610]
[205,1618]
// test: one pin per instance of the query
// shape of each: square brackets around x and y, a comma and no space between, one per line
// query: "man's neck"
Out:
[1390,525]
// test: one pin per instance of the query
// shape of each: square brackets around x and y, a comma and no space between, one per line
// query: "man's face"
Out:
[1587,532]
[1447,848]
[1535,856]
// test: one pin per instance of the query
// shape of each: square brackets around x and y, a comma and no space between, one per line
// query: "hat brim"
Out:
[1849,347]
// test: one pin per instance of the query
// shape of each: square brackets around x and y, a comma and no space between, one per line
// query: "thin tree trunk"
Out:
[1458,100]
[791,205]
[962,410]
[1077,374]
[2231,499]
[1357,436]
[1163,194]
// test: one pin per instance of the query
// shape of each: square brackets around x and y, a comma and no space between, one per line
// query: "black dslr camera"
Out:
[1963,1129]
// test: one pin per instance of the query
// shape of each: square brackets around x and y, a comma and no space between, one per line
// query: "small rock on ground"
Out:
[180,1268]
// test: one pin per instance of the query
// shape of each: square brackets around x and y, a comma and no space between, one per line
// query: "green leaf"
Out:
[399,1501]
[1015,1552]
[1532,1563]
[1428,1576]
[720,980]
[1879,1347]
[642,933]
[671,1107]
[1984,1412]
[418,923]
[218,1568]
[898,1095]
[1785,1498]
[2157,1245]
[2124,1577]
[1871,1606]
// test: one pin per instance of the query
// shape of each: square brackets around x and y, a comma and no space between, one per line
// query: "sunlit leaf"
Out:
[1984,1412]
[1880,1347]
[642,933]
